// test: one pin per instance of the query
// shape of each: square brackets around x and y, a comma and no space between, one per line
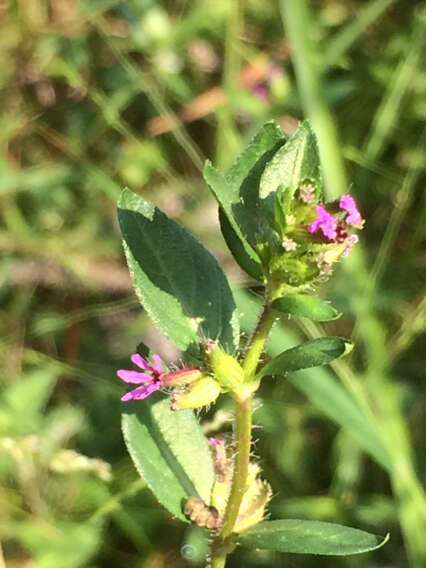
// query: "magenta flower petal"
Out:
[141,392]
[132,376]
[347,203]
[157,365]
[140,362]
[325,223]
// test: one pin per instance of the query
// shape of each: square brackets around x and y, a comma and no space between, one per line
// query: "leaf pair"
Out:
[254,194]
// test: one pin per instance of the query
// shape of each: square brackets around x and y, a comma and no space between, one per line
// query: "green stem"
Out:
[244,411]
[218,561]
[239,480]
[259,338]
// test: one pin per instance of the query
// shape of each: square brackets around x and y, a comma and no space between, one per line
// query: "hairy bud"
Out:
[228,372]
[199,394]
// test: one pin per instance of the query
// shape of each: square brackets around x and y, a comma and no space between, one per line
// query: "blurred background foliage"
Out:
[99,94]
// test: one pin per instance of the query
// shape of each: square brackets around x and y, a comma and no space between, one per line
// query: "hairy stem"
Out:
[243,435]
[258,340]
[244,411]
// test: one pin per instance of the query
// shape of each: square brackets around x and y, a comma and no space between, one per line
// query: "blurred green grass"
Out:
[96,95]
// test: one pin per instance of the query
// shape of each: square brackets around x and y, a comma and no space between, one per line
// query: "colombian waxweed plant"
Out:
[282,233]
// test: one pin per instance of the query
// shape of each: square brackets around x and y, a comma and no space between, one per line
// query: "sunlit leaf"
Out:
[235,245]
[310,354]
[169,451]
[306,307]
[310,537]
[237,191]
[179,283]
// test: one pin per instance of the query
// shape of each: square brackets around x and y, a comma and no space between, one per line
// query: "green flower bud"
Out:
[202,393]
[185,376]
[226,369]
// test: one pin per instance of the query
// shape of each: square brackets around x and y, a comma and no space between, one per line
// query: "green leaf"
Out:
[179,283]
[223,193]
[295,163]
[247,263]
[310,354]
[306,307]
[237,191]
[319,386]
[169,451]
[310,537]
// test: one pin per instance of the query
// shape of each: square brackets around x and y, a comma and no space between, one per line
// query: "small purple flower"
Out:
[347,203]
[325,223]
[155,378]
[152,379]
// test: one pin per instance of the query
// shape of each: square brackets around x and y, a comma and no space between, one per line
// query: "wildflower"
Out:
[154,378]
[325,223]
[335,229]
[347,203]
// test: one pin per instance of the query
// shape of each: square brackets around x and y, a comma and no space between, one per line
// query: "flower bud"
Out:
[201,393]
[185,376]
[226,369]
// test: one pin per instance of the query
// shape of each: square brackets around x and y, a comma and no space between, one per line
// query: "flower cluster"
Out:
[335,229]
[307,237]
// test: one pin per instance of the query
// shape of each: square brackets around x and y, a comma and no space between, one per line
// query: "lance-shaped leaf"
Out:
[310,537]
[235,245]
[306,307]
[179,283]
[237,192]
[310,354]
[295,163]
[169,451]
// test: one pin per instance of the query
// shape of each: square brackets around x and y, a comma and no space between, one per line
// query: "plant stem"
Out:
[258,340]
[244,410]
[218,561]
[239,480]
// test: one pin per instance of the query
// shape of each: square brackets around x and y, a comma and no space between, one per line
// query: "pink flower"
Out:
[325,223]
[152,378]
[155,378]
[347,203]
